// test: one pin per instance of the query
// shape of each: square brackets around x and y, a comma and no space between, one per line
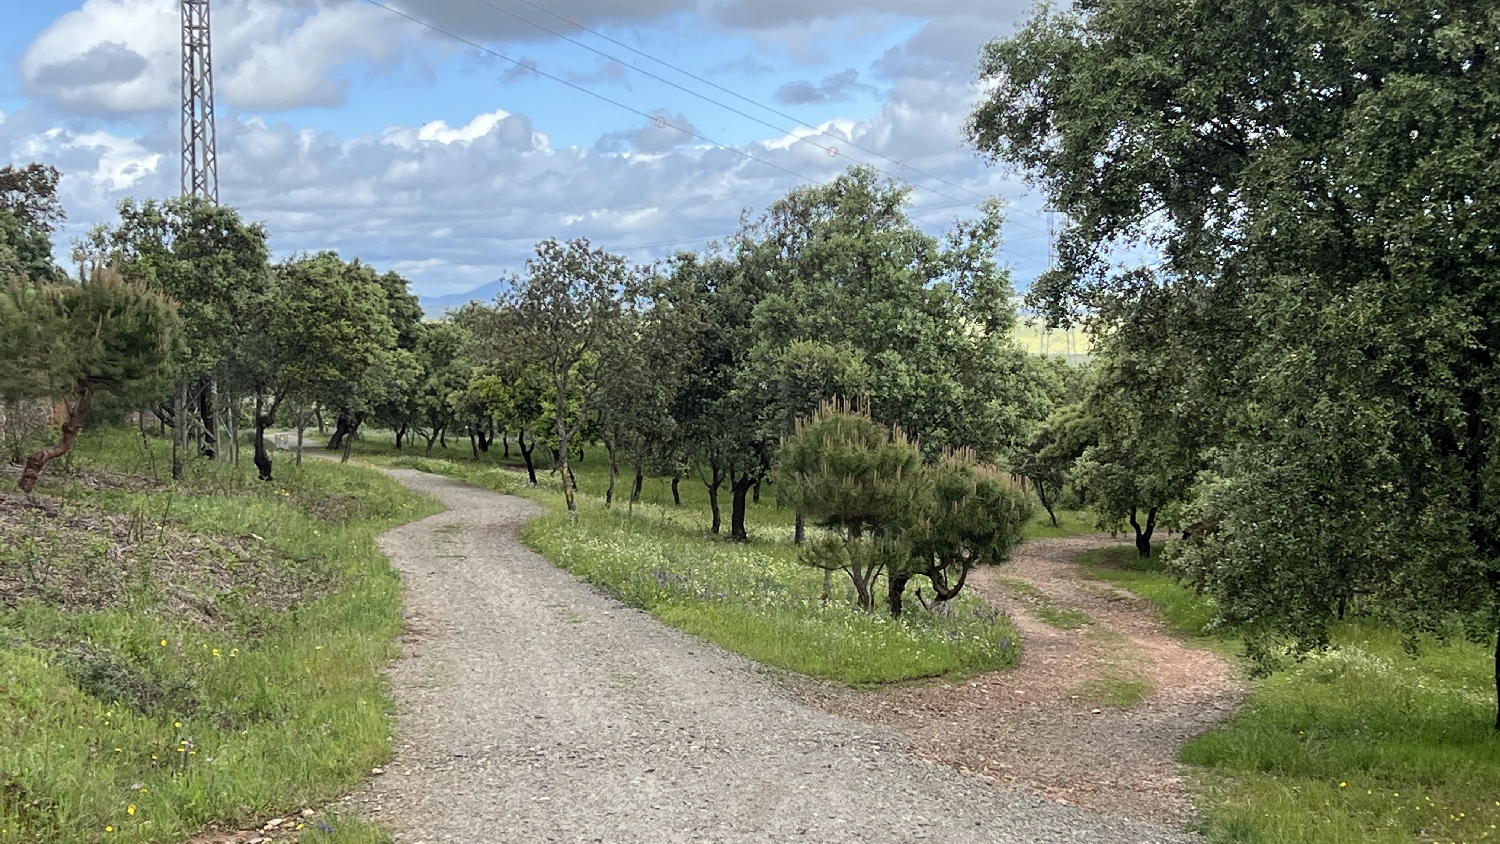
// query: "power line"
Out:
[832,151]
[655,119]
[574,23]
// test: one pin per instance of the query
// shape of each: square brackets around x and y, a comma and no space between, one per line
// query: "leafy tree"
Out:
[75,342]
[443,372]
[336,337]
[216,267]
[970,514]
[860,480]
[567,310]
[1315,185]
[29,213]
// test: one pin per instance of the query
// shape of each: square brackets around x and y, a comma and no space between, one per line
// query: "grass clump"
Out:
[1115,689]
[1044,608]
[757,600]
[1359,743]
[204,656]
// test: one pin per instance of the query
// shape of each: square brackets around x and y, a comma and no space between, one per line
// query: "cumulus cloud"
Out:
[835,88]
[122,56]
[458,205]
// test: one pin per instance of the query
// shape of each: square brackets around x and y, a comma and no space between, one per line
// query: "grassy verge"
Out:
[1363,743]
[192,657]
[1069,523]
[753,598]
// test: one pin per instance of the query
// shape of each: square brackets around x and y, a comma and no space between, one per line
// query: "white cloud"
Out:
[480,126]
[122,56]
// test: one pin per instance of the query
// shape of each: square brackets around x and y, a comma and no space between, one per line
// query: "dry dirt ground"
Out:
[1043,726]
[531,708]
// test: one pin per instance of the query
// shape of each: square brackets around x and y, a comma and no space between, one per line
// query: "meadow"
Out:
[204,656]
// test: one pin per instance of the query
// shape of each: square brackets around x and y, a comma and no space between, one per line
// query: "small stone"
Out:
[1097,711]
[377,771]
[307,813]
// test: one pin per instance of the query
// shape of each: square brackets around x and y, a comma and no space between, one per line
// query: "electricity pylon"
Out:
[200,161]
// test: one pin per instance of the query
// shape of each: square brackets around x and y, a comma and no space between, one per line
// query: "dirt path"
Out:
[1063,723]
[531,708]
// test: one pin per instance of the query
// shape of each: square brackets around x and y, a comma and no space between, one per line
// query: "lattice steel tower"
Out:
[200,162]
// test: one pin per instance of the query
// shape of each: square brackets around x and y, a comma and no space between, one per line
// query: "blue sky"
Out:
[346,126]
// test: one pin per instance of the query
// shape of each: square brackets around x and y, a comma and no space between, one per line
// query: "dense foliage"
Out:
[1312,333]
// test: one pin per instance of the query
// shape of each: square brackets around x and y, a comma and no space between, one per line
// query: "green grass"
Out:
[1069,523]
[1114,689]
[246,712]
[752,598]
[1362,743]
[1185,612]
[1044,608]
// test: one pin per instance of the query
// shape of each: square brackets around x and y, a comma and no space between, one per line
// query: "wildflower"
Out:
[109,829]
[164,643]
[177,724]
[1343,785]
[130,810]
[216,653]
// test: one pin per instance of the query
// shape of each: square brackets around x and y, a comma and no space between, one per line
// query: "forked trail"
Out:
[1093,715]
[531,708]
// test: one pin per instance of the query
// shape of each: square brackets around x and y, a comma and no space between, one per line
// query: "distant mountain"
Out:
[434,307]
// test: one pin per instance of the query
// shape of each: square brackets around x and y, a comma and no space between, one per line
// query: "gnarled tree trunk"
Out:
[38,460]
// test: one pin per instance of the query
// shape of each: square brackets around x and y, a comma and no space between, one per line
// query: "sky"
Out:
[443,138]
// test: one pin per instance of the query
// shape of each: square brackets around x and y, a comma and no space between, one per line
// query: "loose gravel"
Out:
[533,708]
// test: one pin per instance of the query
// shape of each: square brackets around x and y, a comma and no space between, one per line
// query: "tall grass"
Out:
[256,713]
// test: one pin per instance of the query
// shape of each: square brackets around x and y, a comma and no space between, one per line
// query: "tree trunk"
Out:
[740,491]
[484,439]
[340,431]
[207,394]
[262,422]
[1497,680]
[301,428]
[505,440]
[635,488]
[755,497]
[526,454]
[614,470]
[430,438]
[896,591]
[39,459]
[713,499]
[400,435]
[570,495]
[1041,492]
[676,494]
[1143,536]
[318,417]
[349,436]
[799,534]
[179,427]
[443,436]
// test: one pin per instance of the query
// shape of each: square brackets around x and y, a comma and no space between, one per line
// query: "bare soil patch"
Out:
[1092,716]
[79,558]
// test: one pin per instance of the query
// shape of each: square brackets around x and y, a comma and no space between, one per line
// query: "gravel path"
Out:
[531,708]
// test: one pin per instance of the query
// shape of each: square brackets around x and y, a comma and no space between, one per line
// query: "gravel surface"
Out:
[532,708]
